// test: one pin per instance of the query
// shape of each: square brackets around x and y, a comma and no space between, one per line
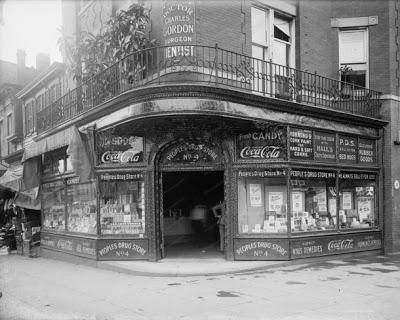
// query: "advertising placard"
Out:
[261,249]
[326,245]
[76,246]
[118,149]
[268,144]
[255,195]
[366,151]
[301,144]
[179,33]
[122,249]
[324,146]
[347,149]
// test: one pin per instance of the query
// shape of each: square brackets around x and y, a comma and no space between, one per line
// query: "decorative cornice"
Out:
[156,92]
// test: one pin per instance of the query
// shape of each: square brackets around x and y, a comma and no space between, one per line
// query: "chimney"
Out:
[20,65]
[42,61]
[21,58]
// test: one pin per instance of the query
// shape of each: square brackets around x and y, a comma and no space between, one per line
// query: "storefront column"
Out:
[391,178]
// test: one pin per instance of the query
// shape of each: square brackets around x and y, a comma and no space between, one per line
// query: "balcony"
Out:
[214,67]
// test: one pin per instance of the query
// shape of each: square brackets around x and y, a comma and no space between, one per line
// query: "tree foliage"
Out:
[124,33]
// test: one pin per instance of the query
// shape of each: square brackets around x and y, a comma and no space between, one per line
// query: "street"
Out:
[358,288]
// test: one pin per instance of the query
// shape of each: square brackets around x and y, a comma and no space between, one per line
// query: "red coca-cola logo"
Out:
[126,156]
[260,152]
[337,245]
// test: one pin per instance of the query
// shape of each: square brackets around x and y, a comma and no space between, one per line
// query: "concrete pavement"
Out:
[351,288]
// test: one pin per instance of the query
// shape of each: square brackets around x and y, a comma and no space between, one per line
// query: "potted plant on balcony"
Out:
[89,56]
[346,89]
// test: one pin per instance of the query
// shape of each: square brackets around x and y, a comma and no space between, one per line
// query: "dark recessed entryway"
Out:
[184,236]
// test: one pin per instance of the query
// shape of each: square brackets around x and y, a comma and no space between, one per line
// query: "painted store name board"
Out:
[122,249]
[191,152]
[121,176]
[261,249]
[305,145]
[262,173]
[335,244]
[179,28]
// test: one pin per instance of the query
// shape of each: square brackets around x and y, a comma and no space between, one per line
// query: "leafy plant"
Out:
[124,33]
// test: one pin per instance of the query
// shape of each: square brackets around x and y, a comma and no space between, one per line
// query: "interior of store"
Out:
[189,225]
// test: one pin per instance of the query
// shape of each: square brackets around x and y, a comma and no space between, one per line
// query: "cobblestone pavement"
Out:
[358,288]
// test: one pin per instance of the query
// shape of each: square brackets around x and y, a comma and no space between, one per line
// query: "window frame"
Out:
[356,66]
[268,46]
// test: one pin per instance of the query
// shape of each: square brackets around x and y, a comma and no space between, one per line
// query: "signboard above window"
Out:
[113,149]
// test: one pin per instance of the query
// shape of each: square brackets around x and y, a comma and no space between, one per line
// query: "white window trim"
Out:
[366,53]
[270,14]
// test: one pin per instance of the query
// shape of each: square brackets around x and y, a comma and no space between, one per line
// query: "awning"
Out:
[12,178]
[24,201]
[50,143]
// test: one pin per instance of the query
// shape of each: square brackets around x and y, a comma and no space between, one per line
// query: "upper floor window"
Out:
[272,36]
[9,124]
[353,56]
[29,121]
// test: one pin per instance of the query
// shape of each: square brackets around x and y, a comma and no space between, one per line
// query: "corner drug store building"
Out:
[297,161]
[294,186]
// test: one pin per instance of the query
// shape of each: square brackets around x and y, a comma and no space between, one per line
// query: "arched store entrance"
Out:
[190,181]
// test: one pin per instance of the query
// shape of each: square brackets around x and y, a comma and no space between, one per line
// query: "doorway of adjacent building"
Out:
[185,233]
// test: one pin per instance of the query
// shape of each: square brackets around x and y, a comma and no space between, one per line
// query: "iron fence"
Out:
[211,66]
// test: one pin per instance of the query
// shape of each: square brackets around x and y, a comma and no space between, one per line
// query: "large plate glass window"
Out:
[81,206]
[262,201]
[357,193]
[122,209]
[313,200]
[53,205]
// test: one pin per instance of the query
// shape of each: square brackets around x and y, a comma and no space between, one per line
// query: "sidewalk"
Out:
[206,264]
[356,288]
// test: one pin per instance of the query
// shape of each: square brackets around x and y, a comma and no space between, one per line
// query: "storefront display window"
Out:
[122,209]
[53,206]
[357,200]
[262,201]
[313,198]
[81,207]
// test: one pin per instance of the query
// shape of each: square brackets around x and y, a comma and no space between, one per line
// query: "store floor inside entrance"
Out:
[185,236]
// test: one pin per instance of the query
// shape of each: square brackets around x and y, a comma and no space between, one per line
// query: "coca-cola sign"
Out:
[267,144]
[260,152]
[127,156]
[118,149]
[339,245]
[326,245]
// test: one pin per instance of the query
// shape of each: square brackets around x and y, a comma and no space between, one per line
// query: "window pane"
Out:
[357,78]
[258,52]
[81,206]
[281,29]
[258,26]
[352,47]
[263,204]
[281,52]
[357,201]
[122,207]
[53,206]
[313,198]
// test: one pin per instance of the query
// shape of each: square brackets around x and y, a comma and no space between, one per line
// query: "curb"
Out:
[271,265]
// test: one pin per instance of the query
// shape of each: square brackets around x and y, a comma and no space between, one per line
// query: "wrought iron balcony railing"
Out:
[210,66]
